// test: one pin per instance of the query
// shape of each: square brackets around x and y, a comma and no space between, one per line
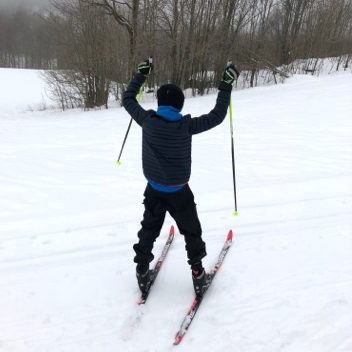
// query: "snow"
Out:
[69,217]
[22,90]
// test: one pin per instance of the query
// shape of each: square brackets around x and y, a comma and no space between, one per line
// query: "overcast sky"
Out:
[25,3]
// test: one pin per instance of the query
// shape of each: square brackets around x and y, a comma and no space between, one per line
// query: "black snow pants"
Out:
[180,205]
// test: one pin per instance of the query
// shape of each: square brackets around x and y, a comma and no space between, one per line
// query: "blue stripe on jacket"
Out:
[163,188]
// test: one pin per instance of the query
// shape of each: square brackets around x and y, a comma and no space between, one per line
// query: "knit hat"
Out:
[170,95]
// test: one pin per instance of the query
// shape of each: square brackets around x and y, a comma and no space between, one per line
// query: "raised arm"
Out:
[129,100]
[217,115]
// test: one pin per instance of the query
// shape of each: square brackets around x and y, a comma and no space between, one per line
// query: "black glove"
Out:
[230,74]
[146,66]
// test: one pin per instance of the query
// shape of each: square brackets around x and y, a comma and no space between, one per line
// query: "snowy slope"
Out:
[22,90]
[69,217]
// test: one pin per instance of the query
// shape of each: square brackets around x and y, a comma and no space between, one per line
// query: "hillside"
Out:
[69,218]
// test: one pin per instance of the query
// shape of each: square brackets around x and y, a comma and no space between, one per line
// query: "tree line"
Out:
[93,46]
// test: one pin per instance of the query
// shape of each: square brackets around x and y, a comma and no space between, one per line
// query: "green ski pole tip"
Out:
[234,213]
[118,163]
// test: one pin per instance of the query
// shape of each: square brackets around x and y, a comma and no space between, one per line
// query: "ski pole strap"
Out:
[140,93]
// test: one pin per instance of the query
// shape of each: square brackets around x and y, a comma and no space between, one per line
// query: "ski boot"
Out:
[143,277]
[200,281]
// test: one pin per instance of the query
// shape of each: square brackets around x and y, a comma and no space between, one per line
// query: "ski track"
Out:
[69,218]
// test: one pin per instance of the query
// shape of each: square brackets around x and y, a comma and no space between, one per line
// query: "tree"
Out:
[86,53]
[125,13]
[289,19]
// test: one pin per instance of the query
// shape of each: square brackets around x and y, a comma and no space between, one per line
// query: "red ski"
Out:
[198,300]
[158,265]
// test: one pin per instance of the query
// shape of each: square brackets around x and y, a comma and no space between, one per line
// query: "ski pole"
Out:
[138,98]
[234,213]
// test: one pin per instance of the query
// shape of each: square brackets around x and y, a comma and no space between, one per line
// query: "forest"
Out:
[91,47]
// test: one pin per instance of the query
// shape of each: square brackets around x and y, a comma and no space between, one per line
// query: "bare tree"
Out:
[86,52]
[96,44]
[289,19]
[125,13]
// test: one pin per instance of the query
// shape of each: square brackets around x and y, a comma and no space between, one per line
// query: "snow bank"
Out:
[22,90]
[319,66]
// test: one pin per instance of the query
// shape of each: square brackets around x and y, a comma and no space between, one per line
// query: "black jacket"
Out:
[167,145]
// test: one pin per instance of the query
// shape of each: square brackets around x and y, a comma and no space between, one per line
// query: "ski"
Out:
[198,300]
[158,265]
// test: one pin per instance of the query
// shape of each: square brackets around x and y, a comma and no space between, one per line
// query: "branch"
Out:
[112,10]
[122,3]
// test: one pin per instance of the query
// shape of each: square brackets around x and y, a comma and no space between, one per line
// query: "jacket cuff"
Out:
[140,77]
[225,86]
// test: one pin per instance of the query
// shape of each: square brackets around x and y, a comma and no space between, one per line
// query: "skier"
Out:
[166,157]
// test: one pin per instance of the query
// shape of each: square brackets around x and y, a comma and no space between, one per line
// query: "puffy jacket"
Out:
[167,145]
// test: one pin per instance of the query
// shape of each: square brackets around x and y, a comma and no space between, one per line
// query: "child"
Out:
[166,155]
